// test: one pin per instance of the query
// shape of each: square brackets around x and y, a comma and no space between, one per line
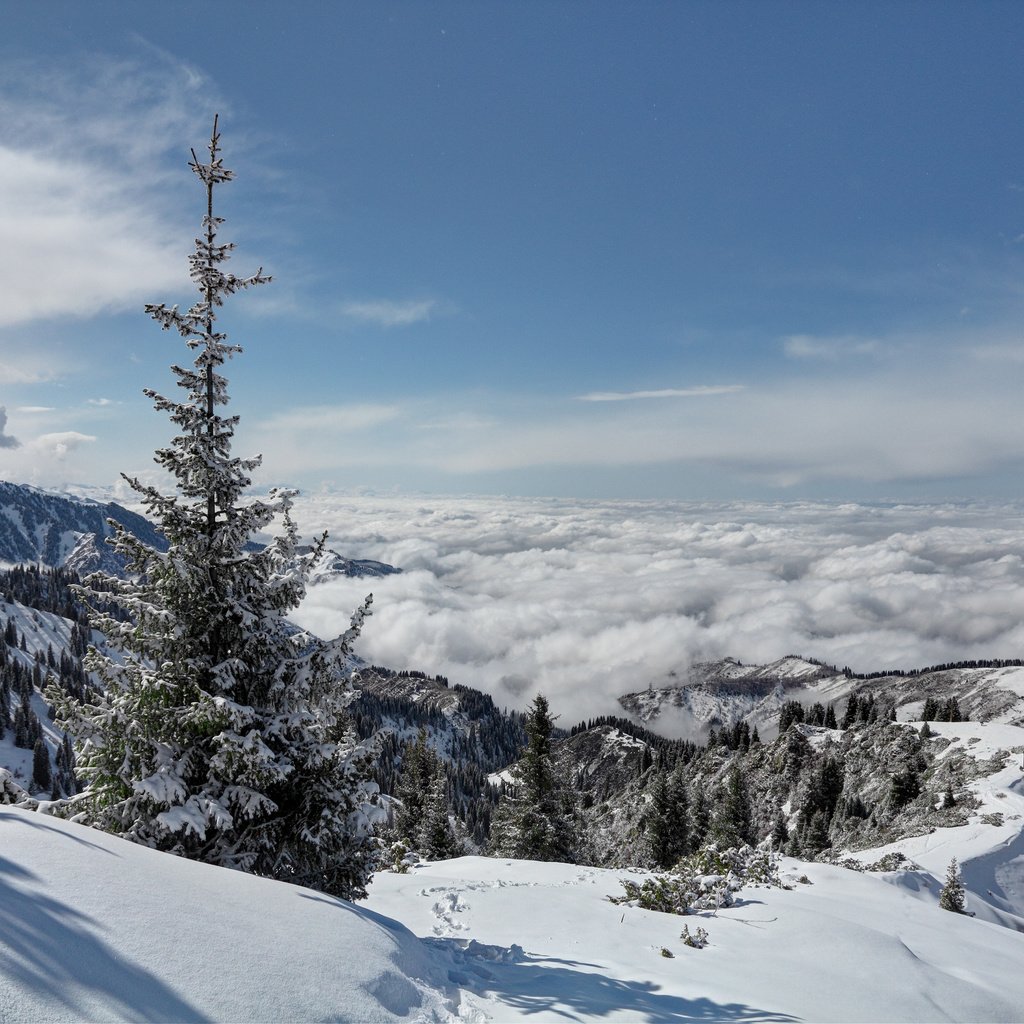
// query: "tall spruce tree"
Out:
[220,734]
[532,820]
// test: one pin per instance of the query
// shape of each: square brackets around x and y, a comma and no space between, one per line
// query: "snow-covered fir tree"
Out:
[422,822]
[666,821]
[952,896]
[221,732]
[533,820]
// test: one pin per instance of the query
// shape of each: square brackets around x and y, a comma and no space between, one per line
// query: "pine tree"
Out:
[815,837]
[417,773]
[732,821]
[906,785]
[220,733]
[436,840]
[951,895]
[659,823]
[530,823]
[41,775]
[852,711]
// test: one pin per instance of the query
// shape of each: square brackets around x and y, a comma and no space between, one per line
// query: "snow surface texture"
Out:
[94,928]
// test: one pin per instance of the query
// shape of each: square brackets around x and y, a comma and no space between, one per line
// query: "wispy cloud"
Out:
[85,185]
[808,346]
[33,410]
[27,369]
[958,419]
[387,313]
[316,421]
[699,391]
[1005,352]
[101,402]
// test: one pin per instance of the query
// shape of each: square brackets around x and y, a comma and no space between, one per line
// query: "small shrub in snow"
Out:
[894,861]
[667,953]
[706,880]
[697,940]
[398,857]
[10,791]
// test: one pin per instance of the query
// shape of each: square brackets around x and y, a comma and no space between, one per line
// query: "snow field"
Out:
[95,928]
[542,942]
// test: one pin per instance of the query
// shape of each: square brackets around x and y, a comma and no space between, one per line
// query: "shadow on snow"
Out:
[531,986]
[51,948]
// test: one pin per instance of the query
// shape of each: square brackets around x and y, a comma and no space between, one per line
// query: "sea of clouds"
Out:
[585,601]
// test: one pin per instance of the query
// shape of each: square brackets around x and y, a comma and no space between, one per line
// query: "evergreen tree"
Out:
[780,832]
[436,840]
[422,820]
[530,823]
[732,822]
[792,713]
[815,837]
[906,785]
[700,817]
[41,776]
[852,711]
[220,733]
[951,895]
[666,821]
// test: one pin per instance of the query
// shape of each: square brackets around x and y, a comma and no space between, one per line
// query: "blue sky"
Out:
[687,250]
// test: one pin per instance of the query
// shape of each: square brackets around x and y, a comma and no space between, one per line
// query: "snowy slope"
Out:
[41,630]
[95,928]
[991,846]
[541,942]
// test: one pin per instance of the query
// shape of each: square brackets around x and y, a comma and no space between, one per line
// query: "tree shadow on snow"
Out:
[562,992]
[50,948]
[38,822]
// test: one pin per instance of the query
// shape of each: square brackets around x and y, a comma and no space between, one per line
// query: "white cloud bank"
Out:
[585,601]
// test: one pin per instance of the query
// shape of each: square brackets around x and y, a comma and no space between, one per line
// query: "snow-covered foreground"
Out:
[93,928]
[541,942]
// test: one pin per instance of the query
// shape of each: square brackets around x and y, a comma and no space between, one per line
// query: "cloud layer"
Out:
[586,601]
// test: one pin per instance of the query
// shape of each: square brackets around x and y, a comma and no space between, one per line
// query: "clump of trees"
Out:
[221,733]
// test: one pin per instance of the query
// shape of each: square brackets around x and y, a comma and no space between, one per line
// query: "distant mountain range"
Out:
[712,694]
[64,531]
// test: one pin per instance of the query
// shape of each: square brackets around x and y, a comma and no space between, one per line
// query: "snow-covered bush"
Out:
[706,880]
[10,791]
